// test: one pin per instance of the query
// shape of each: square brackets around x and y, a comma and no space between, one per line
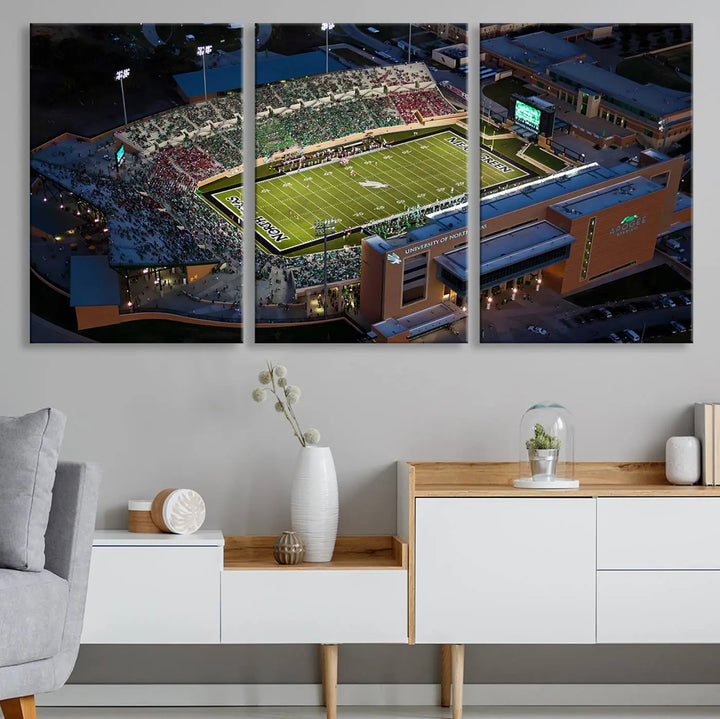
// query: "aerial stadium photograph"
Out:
[360,183]
[126,123]
[586,183]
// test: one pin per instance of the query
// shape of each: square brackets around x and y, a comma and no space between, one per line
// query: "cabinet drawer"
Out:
[153,595]
[658,532]
[658,607]
[297,606]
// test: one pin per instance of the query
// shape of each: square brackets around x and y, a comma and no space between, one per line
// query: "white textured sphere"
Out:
[183,511]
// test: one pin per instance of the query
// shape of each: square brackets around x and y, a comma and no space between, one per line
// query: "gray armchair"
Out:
[41,613]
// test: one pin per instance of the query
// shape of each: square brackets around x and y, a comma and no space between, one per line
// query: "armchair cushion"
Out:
[33,606]
[29,448]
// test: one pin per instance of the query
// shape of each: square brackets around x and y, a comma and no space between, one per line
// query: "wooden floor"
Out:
[382,713]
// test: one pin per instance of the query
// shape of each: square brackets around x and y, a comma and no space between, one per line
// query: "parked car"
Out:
[631,335]
[605,312]
[685,300]
[667,302]
[538,330]
[677,326]
[614,337]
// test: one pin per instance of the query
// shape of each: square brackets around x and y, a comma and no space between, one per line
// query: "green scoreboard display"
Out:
[533,113]
[527,115]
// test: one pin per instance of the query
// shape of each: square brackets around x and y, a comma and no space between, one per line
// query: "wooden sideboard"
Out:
[475,561]
[492,564]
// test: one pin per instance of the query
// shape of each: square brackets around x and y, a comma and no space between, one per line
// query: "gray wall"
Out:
[181,415]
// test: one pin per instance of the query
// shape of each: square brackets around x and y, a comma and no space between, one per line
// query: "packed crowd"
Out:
[394,226]
[314,125]
[428,103]
[341,82]
[307,270]
[153,215]
[215,126]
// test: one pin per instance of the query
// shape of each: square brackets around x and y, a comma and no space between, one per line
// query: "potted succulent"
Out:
[543,450]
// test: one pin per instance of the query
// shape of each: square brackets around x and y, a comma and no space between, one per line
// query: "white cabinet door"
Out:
[505,571]
[325,606]
[655,607]
[148,595]
[658,533]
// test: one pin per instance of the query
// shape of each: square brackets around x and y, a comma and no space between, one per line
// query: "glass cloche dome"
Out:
[547,448]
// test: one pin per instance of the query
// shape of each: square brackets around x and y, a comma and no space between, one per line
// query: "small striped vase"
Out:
[288,548]
[314,503]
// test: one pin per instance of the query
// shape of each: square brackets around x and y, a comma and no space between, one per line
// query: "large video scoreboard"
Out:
[533,113]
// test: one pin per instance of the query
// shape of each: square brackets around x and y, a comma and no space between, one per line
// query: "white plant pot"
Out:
[314,503]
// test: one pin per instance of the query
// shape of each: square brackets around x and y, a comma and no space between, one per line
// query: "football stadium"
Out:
[362,153]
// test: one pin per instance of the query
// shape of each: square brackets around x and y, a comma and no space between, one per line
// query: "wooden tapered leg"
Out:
[445,675]
[19,708]
[457,654]
[329,654]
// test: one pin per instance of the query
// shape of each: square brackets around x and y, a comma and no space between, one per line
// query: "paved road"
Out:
[262,34]
[148,29]
[371,42]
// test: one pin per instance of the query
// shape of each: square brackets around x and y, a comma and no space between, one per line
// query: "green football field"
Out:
[371,187]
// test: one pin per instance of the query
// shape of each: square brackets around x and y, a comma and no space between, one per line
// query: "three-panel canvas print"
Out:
[359,183]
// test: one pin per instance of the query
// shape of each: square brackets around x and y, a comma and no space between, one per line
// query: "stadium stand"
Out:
[155,217]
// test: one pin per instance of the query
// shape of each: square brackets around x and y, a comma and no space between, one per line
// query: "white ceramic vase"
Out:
[314,503]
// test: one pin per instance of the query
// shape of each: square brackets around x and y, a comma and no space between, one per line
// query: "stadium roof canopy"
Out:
[505,47]
[647,99]
[287,67]
[454,51]
[550,46]
[548,188]
[606,197]
[92,282]
[521,244]
[455,262]
[536,51]
[219,79]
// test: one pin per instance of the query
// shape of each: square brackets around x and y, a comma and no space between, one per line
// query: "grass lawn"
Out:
[501,90]
[547,159]
[680,57]
[648,68]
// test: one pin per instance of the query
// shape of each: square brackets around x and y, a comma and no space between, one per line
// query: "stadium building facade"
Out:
[581,225]
[417,282]
[575,227]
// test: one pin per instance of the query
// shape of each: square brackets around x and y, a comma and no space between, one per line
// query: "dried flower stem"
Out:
[286,407]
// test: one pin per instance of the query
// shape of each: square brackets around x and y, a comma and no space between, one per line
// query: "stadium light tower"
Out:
[409,41]
[202,51]
[322,227]
[327,26]
[123,75]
